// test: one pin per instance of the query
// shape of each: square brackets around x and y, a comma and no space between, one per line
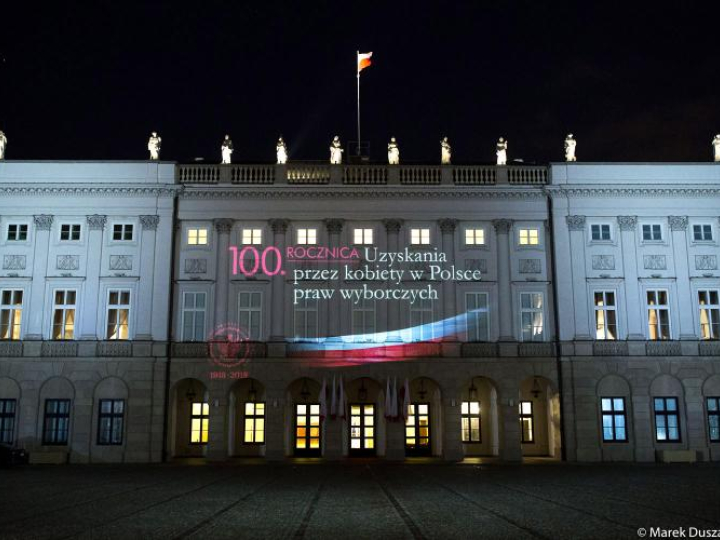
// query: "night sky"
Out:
[633,82]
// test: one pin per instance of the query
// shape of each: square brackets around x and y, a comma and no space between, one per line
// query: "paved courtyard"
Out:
[356,500]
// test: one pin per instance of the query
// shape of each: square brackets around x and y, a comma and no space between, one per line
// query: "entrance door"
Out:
[417,430]
[307,429]
[362,429]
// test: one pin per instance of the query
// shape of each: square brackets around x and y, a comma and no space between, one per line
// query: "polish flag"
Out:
[364,60]
[406,400]
[333,402]
[341,400]
[323,400]
[388,397]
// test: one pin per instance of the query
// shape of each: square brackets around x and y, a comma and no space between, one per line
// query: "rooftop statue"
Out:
[154,145]
[715,143]
[227,150]
[570,145]
[336,151]
[445,151]
[3,145]
[501,151]
[281,149]
[393,152]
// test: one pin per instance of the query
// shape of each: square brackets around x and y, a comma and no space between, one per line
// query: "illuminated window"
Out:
[7,420]
[57,422]
[254,432]
[193,316]
[478,320]
[306,319]
[605,315]
[70,232]
[11,301]
[652,232]
[362,428]
[600,231]
[702,233]
[529,237]
[709,314]
[614,417]
[713,411]
[199,422]
[118,314]
[363,319]
[250,314]
[421,319]
[307,428]
[197,236]
[527,431]
[470,414]
[111,419]
[363,237]
[531,316]
[667,419]
[17,232]
[420,237]
[64,315]
[123,232]
[474,237]
[307,236]
[252,236]
[658,313]
[417,429]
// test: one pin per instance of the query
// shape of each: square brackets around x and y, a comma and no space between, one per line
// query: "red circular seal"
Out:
[228,346]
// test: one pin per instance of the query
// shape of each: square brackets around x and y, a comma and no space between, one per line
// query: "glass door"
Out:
[417,430]
[362,429]
[307,429]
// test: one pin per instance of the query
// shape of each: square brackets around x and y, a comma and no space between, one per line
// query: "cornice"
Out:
[363,193]
[101,191]
[632,191]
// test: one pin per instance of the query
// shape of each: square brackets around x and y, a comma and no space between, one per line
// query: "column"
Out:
[145,288]
[217,449]
[89,320]
[576,226]
[223,228]
[275,429]
[627,225]
[334,228]
[505,303]
[392,227]
[277,315]
[43,224]
[163,261]
[447,228]
[452,426]
[678,229]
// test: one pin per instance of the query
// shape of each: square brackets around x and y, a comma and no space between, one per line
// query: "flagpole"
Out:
[357,63]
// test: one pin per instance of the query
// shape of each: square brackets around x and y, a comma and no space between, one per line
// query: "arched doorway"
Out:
[364,427]
[305,430]
[190,420]
[539,417]
[246,419]
[479,422]
[423,427]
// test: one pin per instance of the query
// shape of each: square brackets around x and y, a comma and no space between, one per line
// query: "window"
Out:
[7,420]
[118,314]
[702,233]
[709,314]
[307,236]
[363,237]
[254,423]
[10,313]
[57,422]
[417,430]
[64,315]
[69,232]
[122,232]
[421,319]
[529,237]
[199,422]
[250,314]
[600,231]
[652,232]
[306,319]
[470,413]
[614,419]
[531,316]
[193,316]
[252,236]
[197,236]
[363,319]
[605,315]
[713,411]
[110,421]
[667,419]
[307,428]
[527,432]
[478,320]
[420,237]
[658,315]
[17,232]
[362,429]
[474,237]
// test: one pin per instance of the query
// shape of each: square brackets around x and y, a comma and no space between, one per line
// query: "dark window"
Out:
[111,420]
[600,232]
[614,419]
[702,232]
[470,415]
[652,232]
[527,431]
[69,231]
[123,231]
[667,419]
[17,232]
[57,422]
[7,420]
[713,411]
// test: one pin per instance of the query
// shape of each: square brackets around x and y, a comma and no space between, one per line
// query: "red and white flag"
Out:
[323,400]
[333,402]
[388,398]
[341,400]
[363,60]
[406,400]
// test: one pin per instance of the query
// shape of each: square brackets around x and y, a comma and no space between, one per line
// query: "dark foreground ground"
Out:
[359,500]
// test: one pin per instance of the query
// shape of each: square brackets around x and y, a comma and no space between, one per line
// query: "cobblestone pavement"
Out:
[356,500]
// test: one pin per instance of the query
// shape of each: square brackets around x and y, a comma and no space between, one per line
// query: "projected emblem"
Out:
[229,346]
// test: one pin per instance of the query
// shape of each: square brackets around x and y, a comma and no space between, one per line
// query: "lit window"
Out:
[123,232]
[17,232]
[69,232]
[605,315]
[7,420]
[709,314]
[193,316]
[417,429]
[667,419]
[702,233]
[363,237]
[254,432]
[250,314]
[658,313]
[252,236]
[478,319]
[307,236]
[199,422]
[362,428]
[529,237]
[652,232]
[11,301]
[600,232]
[57,422]
[474,237]
[307,428]
[614,419]
[306,319]
[111,419]
[421,319]
[363,319]
[470,413]
[64,315]
[531,316]
[118,314]
[713,411]
[197,236]
[420,237]
[527,432]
